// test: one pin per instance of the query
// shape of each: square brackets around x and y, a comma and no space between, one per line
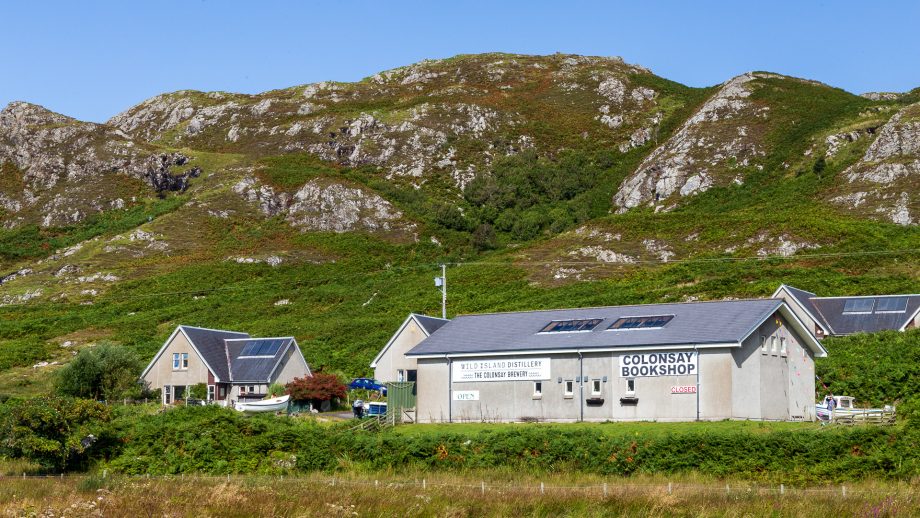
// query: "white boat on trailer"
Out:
[275,404]
[843,411]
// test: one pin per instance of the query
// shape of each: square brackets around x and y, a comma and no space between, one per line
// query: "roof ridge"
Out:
[688,303]
[868,296]
[258,338]
[797,289]
[429,316]
[209,329]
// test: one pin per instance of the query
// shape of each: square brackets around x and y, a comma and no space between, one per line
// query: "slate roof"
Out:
[210,343]
[430,324]
[221,351]
[831,310]
[254,368]
[698,323]
[828,311]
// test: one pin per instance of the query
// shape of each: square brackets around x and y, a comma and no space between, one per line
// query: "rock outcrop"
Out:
[886,181]
[708,149]
[327,206]
[61,169]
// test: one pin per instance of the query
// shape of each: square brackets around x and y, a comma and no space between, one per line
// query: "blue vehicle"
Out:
[376,408]
[368,384]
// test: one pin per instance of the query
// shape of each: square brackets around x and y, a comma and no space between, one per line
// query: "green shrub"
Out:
[877,369]
[106,371]
[218,441]
[198,391]
[276,389]
[55,432]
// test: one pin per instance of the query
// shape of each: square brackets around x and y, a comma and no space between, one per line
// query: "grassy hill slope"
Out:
[324,210]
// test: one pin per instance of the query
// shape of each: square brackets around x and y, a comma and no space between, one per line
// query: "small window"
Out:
[243,389]
[167,394]
[400,375]
[560,326]
[773,348]
[569,388]
[538,389]
[210,392]
[184,360]
[763,345]
[175,361]
[649,322]
[782,346]
[595,387]
[858,306]
[252,388]
[223,392]
[630,387]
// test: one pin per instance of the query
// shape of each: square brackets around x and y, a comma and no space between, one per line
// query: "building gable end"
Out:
[799,327]
[396,335]
[909,320]
[820,322]
[165,346]
[200,356]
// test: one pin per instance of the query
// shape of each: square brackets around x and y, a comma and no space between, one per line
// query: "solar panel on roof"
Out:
[859,306]
[261,348]
[891,305]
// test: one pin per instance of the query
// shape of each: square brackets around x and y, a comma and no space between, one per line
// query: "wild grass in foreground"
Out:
[445,496]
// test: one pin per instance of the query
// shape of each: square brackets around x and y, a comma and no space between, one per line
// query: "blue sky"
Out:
[92,59]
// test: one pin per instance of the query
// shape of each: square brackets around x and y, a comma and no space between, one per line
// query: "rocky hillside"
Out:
[322,210]
[57,170]
[886,180]
[451,117]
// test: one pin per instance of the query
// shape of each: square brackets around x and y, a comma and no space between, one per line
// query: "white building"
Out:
[744,359]
[233,365]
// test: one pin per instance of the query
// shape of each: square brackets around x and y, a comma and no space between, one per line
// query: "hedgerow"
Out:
[219,441]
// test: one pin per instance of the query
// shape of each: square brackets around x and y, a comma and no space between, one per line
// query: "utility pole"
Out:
[441,283]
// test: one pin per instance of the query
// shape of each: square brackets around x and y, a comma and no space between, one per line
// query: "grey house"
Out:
[391,363]
[744,359]
[233,365]
[840,316]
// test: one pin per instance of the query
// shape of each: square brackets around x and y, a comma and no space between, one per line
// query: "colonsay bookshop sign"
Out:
[658,364]
[534,369]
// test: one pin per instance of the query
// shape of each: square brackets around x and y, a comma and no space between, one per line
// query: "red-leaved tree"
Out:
[318,387]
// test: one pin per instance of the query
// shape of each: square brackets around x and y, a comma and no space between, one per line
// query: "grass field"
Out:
[381,494]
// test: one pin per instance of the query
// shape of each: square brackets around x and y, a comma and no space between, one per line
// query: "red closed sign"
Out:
[683,389]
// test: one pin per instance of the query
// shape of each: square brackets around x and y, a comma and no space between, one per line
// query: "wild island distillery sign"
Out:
[658,364]
[500,370]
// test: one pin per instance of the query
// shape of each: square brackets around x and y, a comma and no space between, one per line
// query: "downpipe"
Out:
[450,390]
[581,386]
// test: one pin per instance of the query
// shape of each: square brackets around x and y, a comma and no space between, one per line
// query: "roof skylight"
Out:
[648,322]
[561,326]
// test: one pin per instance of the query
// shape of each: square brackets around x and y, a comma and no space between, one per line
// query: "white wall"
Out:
[394,358]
